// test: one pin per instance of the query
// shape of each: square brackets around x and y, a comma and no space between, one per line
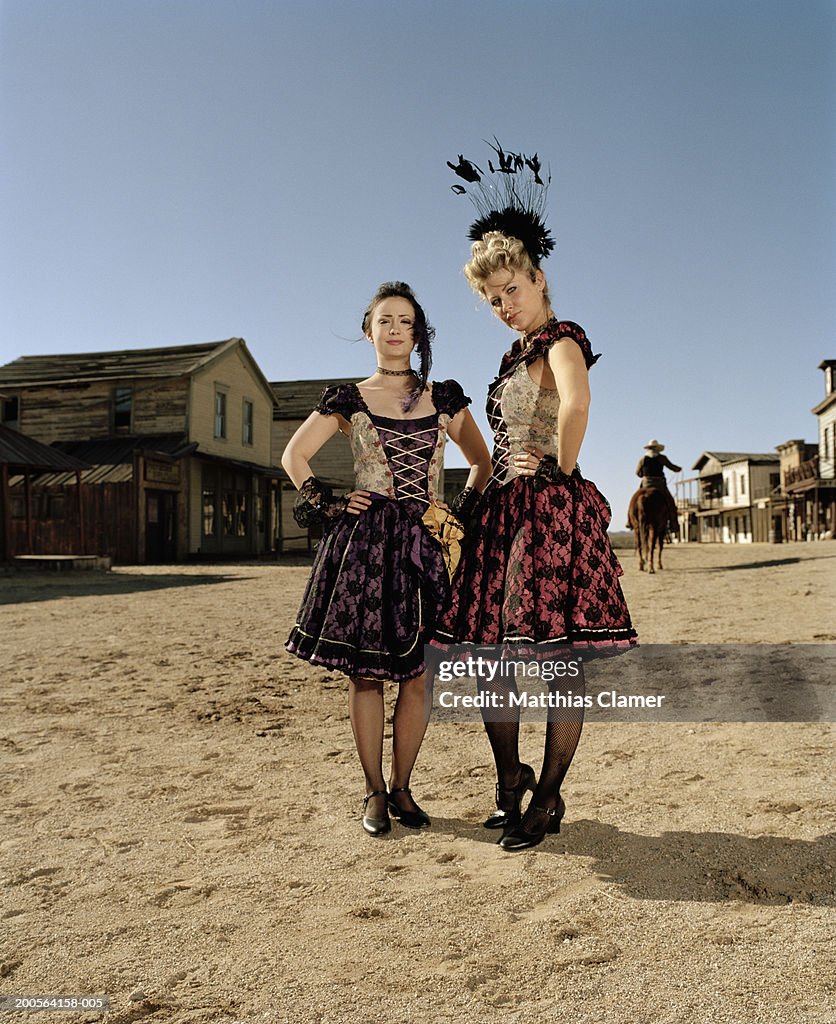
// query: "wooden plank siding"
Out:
[109,515]
[69,412]
[231,373]
[147,502]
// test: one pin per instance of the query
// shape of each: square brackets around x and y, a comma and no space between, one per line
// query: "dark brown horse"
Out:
[649,518]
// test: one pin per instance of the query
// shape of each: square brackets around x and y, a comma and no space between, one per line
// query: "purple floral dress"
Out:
[379,582]
[541,569]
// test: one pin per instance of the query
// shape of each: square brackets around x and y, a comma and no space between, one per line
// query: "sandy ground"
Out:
[180,823]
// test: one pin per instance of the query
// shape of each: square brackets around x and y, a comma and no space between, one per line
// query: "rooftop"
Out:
[170,361]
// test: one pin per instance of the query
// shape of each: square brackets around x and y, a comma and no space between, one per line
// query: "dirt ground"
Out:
[181,799]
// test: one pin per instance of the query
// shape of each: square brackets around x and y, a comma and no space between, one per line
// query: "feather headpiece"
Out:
[511,198]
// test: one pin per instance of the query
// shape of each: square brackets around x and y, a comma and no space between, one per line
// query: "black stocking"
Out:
[365,706]
[563,731]
[502,724]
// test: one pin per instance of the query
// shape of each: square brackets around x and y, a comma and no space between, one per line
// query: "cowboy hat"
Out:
[655,446]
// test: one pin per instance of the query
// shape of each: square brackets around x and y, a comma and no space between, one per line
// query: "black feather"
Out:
[527,227]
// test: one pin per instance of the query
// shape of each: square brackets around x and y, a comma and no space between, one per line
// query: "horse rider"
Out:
[651,469]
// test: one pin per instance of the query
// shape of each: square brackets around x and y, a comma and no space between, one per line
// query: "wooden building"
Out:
[27,523]
[178,440]
[805,509]
[734,494]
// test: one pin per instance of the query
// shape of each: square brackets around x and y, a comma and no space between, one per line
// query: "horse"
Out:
[649,519]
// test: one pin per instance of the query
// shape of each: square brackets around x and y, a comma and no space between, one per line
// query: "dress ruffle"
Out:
[377,588]
[532,347]
[540,571]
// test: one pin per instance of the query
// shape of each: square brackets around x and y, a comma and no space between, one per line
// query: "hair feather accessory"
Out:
[511,198]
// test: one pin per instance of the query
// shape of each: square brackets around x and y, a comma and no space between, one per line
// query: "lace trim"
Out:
[315,503]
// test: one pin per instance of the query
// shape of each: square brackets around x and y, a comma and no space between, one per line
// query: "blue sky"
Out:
[189,170]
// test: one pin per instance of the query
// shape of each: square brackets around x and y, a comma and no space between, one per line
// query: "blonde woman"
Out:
[541,573]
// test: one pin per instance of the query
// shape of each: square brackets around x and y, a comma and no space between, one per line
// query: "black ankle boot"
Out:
[502,818]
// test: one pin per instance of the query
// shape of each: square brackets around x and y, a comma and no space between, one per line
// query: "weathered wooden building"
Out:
[178,440]
[25,519]
[735,490]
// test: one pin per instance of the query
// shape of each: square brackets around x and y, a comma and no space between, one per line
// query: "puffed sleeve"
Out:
[448,397]
[339,400]
[569,329]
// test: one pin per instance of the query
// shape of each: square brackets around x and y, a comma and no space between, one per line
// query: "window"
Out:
[208,512]
[10,413]
[55,506]
[742,483]
[220,414]
[122,410]
[234,510]
[248,422]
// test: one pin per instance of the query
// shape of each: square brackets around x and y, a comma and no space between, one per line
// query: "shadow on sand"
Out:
[24,588]
[701,867]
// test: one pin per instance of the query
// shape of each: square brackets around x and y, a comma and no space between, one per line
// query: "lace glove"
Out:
[315,503]
[550,472]
[465,506]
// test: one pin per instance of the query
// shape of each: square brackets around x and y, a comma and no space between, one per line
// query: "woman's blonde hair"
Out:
[495,251]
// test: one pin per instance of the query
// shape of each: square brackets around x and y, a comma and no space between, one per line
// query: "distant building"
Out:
[178,440]
[734,492]
[789,509]
[805,508]
[686,495]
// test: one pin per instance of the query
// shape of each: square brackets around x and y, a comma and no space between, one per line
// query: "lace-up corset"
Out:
[523,413]
[519,411]
[400,458]
[409,447]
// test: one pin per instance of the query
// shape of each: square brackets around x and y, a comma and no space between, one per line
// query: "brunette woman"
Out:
[379,581]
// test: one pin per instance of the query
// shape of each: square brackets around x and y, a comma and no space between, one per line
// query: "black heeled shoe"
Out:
[377,826]
[412,819]
[508,819]
[522,838]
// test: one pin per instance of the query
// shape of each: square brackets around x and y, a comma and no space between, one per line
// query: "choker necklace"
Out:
[396,373]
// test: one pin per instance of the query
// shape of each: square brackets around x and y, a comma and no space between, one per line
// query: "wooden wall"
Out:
[233,374]
[109,518]
[73,412]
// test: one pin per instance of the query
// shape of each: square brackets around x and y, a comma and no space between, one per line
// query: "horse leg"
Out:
[661,546]
[651,544]
[639,526]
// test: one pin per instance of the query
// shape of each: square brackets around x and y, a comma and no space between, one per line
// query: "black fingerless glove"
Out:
[465,506]
[550,472]
[315,503]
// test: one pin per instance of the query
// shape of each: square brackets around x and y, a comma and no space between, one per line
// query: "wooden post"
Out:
[5,525]
[27,490]
[816,529]
[139,507]
[82,533]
